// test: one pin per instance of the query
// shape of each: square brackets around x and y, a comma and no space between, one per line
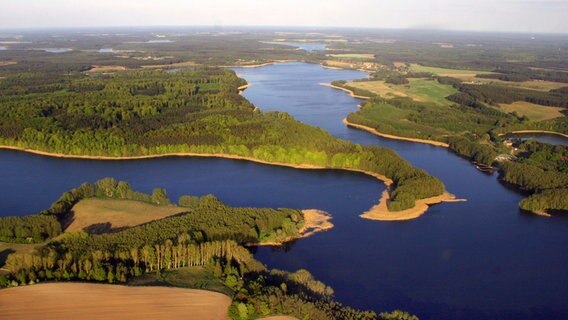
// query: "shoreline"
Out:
[541,213]
[380,208]
[535,131]
[380,211]
[257,65]
[242,88]
[315,221]
[390,136]
[351,93]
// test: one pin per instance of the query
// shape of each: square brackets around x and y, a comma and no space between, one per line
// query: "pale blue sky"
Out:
[485,15]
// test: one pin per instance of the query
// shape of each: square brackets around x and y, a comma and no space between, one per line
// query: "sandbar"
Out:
[381,212]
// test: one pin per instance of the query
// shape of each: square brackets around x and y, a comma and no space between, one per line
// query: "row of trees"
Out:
[29,229]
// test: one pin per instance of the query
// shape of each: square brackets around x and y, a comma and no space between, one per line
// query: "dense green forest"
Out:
[210,234]
[541,170]
[137,113]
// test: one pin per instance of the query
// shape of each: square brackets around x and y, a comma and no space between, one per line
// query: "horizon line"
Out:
[301,27]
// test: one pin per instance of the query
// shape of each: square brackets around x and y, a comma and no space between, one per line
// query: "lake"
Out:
[540,137]
[480,259]
[307,46]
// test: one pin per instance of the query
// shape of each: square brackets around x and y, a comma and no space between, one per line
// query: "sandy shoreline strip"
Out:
[106,301]
[381,212]
[314,221]
[257,65]
[390,136]
[351,93]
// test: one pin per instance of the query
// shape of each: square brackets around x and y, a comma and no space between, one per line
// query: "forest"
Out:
[210,235]
[541,170]
[137,113]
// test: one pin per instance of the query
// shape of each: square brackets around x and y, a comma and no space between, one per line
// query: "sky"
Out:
[479,15]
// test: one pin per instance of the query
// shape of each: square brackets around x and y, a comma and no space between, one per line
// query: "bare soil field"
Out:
[103,301]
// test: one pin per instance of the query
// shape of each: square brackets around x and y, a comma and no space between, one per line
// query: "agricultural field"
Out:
[420,90]
[98,301]
[112,213]
[534,112]
[444,72]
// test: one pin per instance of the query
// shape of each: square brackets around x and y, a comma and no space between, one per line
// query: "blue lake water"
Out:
[106,50]
[545,138]
[480,259]
[307,46]
[56,50]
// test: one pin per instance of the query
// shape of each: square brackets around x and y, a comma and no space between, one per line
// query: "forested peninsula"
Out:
[192,111]
[205,241]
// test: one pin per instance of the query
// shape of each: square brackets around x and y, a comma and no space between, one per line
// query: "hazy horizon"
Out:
[524,16]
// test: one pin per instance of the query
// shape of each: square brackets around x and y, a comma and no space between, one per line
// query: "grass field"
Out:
[361,56]
[533,111]
[119,213]
[105,301]
[470,76]
[456,73]
[189,277]
[421,90]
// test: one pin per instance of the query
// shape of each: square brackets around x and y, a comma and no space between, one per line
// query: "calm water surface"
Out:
[545,138]
[481,259]
[309,47]
[478,259]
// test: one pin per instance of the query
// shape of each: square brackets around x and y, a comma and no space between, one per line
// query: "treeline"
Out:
[493,94]
[30,229]
[296,294]
[522,73]
[481,153]
[538,167]
[554,199]
[104,188]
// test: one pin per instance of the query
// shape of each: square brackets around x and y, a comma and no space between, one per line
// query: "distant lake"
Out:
[3,48]
[106,50]
[159,41]
[480,259]
[56,50]
[541,137]
[301,45]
